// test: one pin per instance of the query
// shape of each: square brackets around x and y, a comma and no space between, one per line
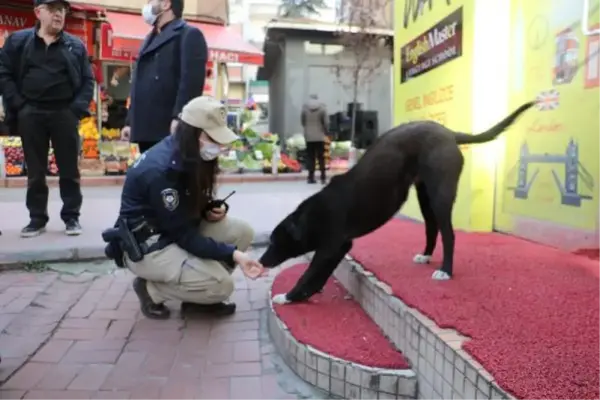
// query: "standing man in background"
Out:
[314,122]
[169,72]
[47,84]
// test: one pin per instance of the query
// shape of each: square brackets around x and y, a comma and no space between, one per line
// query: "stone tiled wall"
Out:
[443,369]
[336,377]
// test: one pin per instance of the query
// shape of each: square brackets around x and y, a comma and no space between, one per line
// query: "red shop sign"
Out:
[110,49]
[12,19]
[222,56]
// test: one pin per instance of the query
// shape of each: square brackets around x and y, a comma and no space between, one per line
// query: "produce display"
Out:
[103,152]
[13,156]
[116,155]
[52,168]
[285,164]
[111,134]
[88,129]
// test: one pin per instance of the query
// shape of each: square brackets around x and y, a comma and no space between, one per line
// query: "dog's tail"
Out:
[491,134]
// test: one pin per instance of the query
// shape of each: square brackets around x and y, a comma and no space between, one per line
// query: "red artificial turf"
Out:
[531,311]
[334,324]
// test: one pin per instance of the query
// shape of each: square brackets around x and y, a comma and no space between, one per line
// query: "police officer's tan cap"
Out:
[208,114]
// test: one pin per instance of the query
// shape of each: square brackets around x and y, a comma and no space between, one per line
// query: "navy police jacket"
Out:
[169,72]
[154,189]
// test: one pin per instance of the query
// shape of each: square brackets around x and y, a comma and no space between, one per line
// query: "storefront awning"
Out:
[74,5]
[127,31]
[15,16]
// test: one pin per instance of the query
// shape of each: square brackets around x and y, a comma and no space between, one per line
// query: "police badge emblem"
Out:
[170,198]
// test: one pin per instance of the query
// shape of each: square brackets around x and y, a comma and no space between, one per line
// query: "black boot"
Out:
[218,309]
[149,308]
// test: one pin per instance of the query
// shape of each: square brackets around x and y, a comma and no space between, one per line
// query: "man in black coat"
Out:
[168,73]
[47,86]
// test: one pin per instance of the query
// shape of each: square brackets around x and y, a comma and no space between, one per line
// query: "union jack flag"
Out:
[548,100]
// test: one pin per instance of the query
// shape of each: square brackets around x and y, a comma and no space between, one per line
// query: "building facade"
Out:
[539,180]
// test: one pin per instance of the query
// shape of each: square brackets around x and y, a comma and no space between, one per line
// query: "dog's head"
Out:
[289,239]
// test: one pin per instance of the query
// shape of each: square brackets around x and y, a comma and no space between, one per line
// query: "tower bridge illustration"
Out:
[574,173]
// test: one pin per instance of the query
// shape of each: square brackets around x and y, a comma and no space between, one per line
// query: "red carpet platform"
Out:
[531,312]
[335,324]
[333,344]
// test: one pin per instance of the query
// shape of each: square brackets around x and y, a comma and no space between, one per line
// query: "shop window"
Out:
[566,57]
[313,48]
[592,64]
[118,81]
[118,85]
[331,49]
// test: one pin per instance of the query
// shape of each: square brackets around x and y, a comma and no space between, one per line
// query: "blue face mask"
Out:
[209,151]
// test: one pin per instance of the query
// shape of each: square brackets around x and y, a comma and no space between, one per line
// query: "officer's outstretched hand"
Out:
[251,268]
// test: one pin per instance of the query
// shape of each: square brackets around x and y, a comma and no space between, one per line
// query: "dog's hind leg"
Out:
[442,206]
[324,262]
[431,226]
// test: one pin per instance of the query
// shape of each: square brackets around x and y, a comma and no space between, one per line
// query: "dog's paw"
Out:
[440,275]
[281,299]
[421,259]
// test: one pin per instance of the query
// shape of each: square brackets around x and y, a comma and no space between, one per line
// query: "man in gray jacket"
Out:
[314,122]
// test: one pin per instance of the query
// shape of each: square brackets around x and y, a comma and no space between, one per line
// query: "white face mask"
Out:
[209,151]
[148,15]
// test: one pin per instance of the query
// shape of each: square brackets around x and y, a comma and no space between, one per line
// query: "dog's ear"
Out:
[295,230]
[296,227]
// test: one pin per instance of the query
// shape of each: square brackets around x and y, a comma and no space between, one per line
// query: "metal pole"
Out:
[2,161]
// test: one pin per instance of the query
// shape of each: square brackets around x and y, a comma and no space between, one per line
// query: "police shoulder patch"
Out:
[170,198]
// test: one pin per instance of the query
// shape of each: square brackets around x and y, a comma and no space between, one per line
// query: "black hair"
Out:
[200,175]
[177,8]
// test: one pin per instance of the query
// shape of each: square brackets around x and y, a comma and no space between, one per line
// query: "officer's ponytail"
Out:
[200,176]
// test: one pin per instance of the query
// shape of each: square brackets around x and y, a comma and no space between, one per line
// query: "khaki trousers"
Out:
[174,274]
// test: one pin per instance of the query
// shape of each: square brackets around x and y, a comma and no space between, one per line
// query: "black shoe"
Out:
[33,229]
[72,228]
[323,181]
[218,309]
[311,181]
[149,308]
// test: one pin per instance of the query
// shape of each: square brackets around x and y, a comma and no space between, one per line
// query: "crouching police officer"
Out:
[173,235]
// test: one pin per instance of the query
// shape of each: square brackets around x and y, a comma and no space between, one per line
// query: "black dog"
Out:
[423,153]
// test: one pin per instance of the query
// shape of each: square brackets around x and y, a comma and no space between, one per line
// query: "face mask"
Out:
[148,15]
[209,151]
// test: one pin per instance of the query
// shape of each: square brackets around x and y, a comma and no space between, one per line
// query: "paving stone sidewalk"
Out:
[80,335]
[261,204]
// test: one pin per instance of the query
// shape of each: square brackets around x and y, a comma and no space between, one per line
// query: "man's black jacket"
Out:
[12,63]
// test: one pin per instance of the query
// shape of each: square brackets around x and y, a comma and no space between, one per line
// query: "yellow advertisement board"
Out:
[432,81]
[549,171]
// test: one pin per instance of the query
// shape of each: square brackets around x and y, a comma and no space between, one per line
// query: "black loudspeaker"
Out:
[350,106]
[367,129]
[344,124]
[334,124]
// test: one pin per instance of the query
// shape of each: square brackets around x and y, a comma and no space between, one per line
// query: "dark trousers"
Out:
[315,151]
[38,128]
[143,146]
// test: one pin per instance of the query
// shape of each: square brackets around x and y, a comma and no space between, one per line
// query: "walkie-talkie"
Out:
[219,203]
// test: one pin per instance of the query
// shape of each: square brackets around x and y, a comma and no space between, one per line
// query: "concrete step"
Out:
[442,368]
[335,376]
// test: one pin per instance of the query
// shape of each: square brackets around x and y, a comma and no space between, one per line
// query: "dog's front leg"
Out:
[324,262]
[329,266]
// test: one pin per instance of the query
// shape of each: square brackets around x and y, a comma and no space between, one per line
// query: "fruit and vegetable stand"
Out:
[104,153]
